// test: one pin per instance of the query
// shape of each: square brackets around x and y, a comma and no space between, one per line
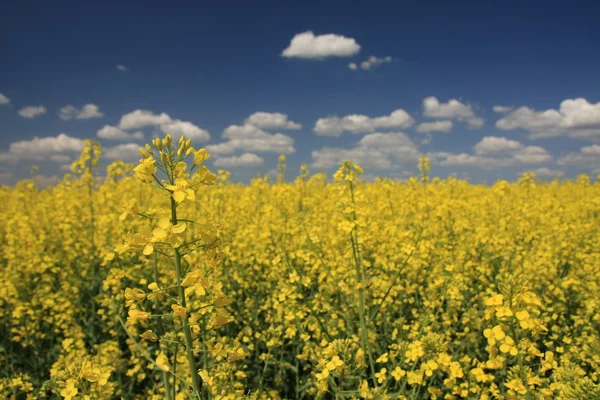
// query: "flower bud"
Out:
[157,143]
[164,158]
[167,140]
[149,148]
[143,153]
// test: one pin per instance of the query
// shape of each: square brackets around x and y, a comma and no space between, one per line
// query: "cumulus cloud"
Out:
[42,148]
[179,128]
[32,111]
[142,118]
[358,123]
[502,109]
[139,119]
[453,109]
[244,160]
[375,150]
[4,99]
[370,63]
[544,172]
[496,145]
[586,157]
[60,158]
[512,155]
[436,126]
[266,120]
[307,45]
[251,138]
[575,118]
[88,111]
[532,155]
[123,152]
[109,132]
[122,68]
[470,160]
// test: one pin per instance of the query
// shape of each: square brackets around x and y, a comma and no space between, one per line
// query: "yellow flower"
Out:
[162,362]
[398,373]
[334,364]
[149,335]
[70,391]
[178,310]
[133,295]
[381,375]
[181,191]
[129,209]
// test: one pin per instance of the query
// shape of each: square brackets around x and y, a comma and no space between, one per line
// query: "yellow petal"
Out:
[179,228]
[148,249]
[159,233]
[179,196]
[164,223]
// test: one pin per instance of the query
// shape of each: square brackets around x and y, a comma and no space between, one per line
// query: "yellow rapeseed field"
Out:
[165,280]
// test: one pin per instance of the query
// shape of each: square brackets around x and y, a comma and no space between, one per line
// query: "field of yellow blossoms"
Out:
[165,280]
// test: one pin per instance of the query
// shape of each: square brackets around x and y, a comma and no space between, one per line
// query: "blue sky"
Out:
[205,69]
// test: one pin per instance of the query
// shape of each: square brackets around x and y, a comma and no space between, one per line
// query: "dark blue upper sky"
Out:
[215,64]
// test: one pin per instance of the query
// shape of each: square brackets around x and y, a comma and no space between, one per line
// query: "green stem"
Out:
[196,379]
[360,277]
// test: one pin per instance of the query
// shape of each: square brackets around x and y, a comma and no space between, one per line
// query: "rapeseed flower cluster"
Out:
[164,280]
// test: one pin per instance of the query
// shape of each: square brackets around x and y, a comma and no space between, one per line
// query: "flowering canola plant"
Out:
[165,280]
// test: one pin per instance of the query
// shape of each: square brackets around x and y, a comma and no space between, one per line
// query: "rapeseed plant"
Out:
[427,288]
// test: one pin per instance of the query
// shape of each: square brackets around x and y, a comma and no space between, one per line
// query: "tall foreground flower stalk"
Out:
[195,298]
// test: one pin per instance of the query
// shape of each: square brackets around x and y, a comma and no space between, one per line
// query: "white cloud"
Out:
[436,126]
[469,160]
[113,133]
[307,45]
[60,158]
[245,160]
[124,152]
[86,112]
[42,148]
[122,68]
[587,157]
[532,155]
[37,146]
[266,120]
[358,123]
[4,99]
[178,128]
[141,118]
[575,118]
[593,150]
[370,63]
[375,150]
[32,111]
[453,109]
[512,153]
[251,138]
[544,172]
[496,145]
[502,109]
